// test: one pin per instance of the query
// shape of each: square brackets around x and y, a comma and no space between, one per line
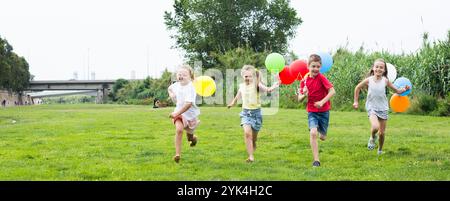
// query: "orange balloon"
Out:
[399,103]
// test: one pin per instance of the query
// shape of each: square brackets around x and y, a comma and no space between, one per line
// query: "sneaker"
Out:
[371,144]
[380,152]
[316,164]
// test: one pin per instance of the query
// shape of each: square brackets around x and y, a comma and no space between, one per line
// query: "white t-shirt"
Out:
[185,94]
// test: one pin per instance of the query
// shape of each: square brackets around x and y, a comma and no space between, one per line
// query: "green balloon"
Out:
[275,62]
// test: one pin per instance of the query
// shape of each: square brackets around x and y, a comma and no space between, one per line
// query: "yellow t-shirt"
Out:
[250,96]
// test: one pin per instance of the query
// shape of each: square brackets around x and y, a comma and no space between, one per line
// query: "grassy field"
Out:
[116,142]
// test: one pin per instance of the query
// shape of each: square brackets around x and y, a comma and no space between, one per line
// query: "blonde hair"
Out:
[254,72]
[189,69]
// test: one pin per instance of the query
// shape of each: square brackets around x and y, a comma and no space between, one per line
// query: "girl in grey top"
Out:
[376,104]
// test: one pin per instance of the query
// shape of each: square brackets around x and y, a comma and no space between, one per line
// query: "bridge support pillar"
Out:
[102,96]
[99,97]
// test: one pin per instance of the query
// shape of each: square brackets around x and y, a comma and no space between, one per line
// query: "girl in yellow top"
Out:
[251,118]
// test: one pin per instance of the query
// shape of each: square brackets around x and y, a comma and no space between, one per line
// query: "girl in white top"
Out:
[185,114]
[251,118]
[377,104]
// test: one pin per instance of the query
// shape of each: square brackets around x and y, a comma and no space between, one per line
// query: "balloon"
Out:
[399,103]
[401,83]
[285,76]
[204,86]
[327,62]
[298,69]
[275,62]
[392,72]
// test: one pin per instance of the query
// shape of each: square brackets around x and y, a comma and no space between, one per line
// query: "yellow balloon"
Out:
[204,86]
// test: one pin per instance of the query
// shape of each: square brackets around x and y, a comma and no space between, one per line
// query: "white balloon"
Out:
[392,72]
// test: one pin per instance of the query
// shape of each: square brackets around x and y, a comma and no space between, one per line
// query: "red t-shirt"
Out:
[317,90]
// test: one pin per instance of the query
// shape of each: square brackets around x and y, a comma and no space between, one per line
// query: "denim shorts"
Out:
[319,120]
[252,118]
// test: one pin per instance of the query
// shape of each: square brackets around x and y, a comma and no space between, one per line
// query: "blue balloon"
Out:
[327,62]
[401,83]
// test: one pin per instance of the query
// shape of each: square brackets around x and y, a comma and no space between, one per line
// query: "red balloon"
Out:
[298,69]
[286,77]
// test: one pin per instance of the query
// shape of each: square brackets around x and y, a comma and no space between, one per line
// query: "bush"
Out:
[425,104]
[141,92]
[443,107]
[138,102]
[417,103]
[72,99]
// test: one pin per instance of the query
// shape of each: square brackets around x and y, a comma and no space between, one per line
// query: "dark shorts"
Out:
[319,120]
[252,118]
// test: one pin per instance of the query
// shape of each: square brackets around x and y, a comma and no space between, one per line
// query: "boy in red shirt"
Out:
[319,91]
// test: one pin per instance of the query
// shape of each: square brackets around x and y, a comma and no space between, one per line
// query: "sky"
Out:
[128,38]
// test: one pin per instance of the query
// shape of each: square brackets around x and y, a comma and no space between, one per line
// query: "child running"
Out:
[376,104]
[251,118]
[319,92]
[185,114]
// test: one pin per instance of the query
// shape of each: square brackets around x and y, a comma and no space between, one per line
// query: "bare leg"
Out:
[255,137]
[375,125]
[313,141]
[178,138]
[382,132]
[249,142]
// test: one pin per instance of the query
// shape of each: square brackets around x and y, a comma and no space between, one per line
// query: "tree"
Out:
[204,27]
[236,58]
[14,70]
[5,69]
[119,84]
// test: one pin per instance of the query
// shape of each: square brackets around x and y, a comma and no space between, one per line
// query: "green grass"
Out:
[116,142]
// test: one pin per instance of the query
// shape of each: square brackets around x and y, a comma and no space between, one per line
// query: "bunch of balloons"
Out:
[398,102]
[297,70]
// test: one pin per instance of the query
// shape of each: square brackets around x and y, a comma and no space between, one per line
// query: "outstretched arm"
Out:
[238,95]
[399,91]
[268,89]
[358,88]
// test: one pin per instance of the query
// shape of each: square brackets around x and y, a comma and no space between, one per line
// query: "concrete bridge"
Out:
[102,87]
